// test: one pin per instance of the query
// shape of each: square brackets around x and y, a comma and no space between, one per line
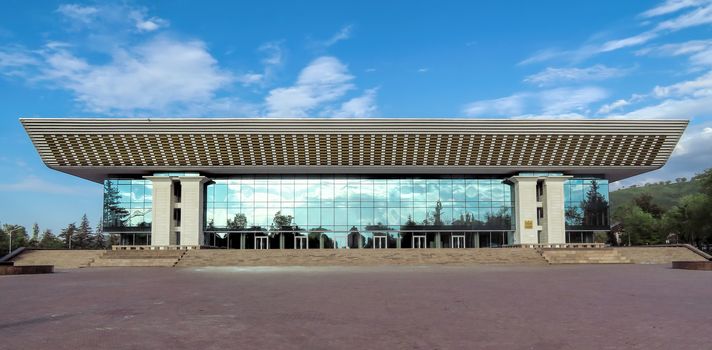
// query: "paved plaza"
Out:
[396,307]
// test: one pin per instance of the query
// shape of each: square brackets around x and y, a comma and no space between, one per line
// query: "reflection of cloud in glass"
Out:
[338,204]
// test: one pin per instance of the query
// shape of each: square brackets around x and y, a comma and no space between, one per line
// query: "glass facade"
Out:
[586,204]
[343,207]
[127,205]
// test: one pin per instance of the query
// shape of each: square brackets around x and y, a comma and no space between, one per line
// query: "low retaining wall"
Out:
[25,270]
[692,265]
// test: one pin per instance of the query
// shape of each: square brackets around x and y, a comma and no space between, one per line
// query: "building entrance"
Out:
[457,241]
[380,242]
[419,242]
[261,242]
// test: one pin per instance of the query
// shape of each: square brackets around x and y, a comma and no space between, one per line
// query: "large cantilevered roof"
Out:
[97,148]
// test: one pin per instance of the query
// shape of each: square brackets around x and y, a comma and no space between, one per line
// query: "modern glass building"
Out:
[354,183]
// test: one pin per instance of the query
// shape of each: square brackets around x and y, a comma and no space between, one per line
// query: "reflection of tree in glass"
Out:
[595,207]
[437,214]
[238,223]
[114,214]
[573,216]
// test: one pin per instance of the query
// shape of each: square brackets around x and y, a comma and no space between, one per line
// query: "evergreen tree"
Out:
[67,235]
[35,240]
[595,207]
[50,241]
[114,214]
[83,235]
[98,241]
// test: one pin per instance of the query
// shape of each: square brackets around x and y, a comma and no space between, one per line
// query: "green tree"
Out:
[19,237]
[237,223]
[645,202]
[595,207]
[35,240]
[98,240]
[114,214]
[690,219]
[83,235]
[50,241]
[280,223]
[640,227]
[67,235]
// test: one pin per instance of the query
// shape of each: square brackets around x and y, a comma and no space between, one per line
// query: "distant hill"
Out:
[665,195]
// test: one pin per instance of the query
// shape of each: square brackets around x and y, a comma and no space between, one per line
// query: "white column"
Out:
[191,223]
[162,210]
[554,223]
[525,204]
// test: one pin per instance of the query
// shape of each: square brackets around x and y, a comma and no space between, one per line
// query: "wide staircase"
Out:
[659,255]
[61,259]
[584,256]
[359,257]
[138,258]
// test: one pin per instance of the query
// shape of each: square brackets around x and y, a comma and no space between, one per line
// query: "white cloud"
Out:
[701,86]
[13,60]
[148,24]
[700,14]
[158,75]
[250,78]
[559,101]
[696,17]
[613,106]
[699,51]
[343,34]
[618,104]
[671,6]
[552,75]
[79,13]
[505,106]
[564,100]
[273,57]
[635,40]
[111,17]
[361,106]
[32,183]
[423,70]
[324,80]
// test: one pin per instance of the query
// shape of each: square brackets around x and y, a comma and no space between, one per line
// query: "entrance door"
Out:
[261,242]
[457,241]
[380,242]
[419,242]
[301,242]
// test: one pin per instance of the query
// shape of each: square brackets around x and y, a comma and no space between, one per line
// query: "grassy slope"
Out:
[664,195]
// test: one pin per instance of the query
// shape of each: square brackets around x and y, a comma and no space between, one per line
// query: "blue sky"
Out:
[553,59]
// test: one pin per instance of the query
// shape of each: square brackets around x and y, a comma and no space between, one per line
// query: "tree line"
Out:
[74,236]
[689,220]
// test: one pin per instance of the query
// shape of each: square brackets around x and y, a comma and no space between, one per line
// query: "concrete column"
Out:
[554,222]
[477,240]
[525,204]
[162,227]
[242,241]
[192,209]
[398,241]
[438,242]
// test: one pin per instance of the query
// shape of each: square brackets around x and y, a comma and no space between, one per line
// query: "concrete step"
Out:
[584,256]
[61,259]
[134,262]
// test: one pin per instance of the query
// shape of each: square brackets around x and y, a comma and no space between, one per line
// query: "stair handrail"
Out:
[697,251]
[12,254]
